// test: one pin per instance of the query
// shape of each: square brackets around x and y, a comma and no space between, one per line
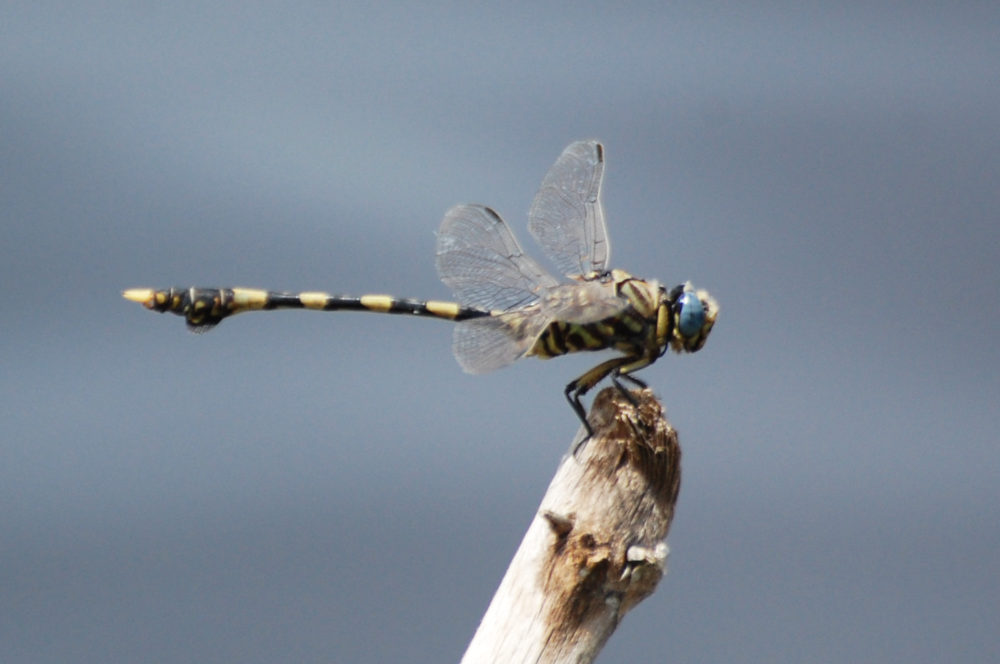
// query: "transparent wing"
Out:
[482,263]
[491,342]
[485,344]
[582,302]
[566,216]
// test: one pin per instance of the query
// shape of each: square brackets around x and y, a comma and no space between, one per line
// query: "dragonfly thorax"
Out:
[607,310]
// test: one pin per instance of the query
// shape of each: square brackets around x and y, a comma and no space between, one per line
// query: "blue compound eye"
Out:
[690,315]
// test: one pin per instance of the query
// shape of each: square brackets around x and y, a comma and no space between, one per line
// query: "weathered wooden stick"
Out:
[597,545]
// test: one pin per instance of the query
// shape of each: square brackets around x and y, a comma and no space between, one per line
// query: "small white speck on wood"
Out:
[597,545]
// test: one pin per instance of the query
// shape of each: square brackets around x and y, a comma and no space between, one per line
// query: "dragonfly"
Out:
[508,306]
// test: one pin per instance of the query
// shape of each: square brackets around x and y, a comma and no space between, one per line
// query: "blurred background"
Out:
[305,487]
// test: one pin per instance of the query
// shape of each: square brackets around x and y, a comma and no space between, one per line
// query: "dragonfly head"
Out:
[693,314]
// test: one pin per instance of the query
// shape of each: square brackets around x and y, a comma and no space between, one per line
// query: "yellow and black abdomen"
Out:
[203,308]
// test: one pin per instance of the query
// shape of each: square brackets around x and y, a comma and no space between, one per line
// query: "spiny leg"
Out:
[619,368]
[620,374]
[577,388]
[617,376]
[625,372]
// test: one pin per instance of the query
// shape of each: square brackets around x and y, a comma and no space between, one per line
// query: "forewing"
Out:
[582,302]
[491,342]
[481,261]
[566,217]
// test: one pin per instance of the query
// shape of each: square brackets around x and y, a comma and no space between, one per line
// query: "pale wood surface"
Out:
[597,545]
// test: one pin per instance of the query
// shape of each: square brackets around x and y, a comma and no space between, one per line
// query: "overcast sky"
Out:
[304,487]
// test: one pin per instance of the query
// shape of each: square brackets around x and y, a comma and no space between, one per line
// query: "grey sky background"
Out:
[306,487]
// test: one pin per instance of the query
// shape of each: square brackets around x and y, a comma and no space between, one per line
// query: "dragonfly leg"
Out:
[630,378]
[577,388]
[573,396]
[616,378]
[624,373]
